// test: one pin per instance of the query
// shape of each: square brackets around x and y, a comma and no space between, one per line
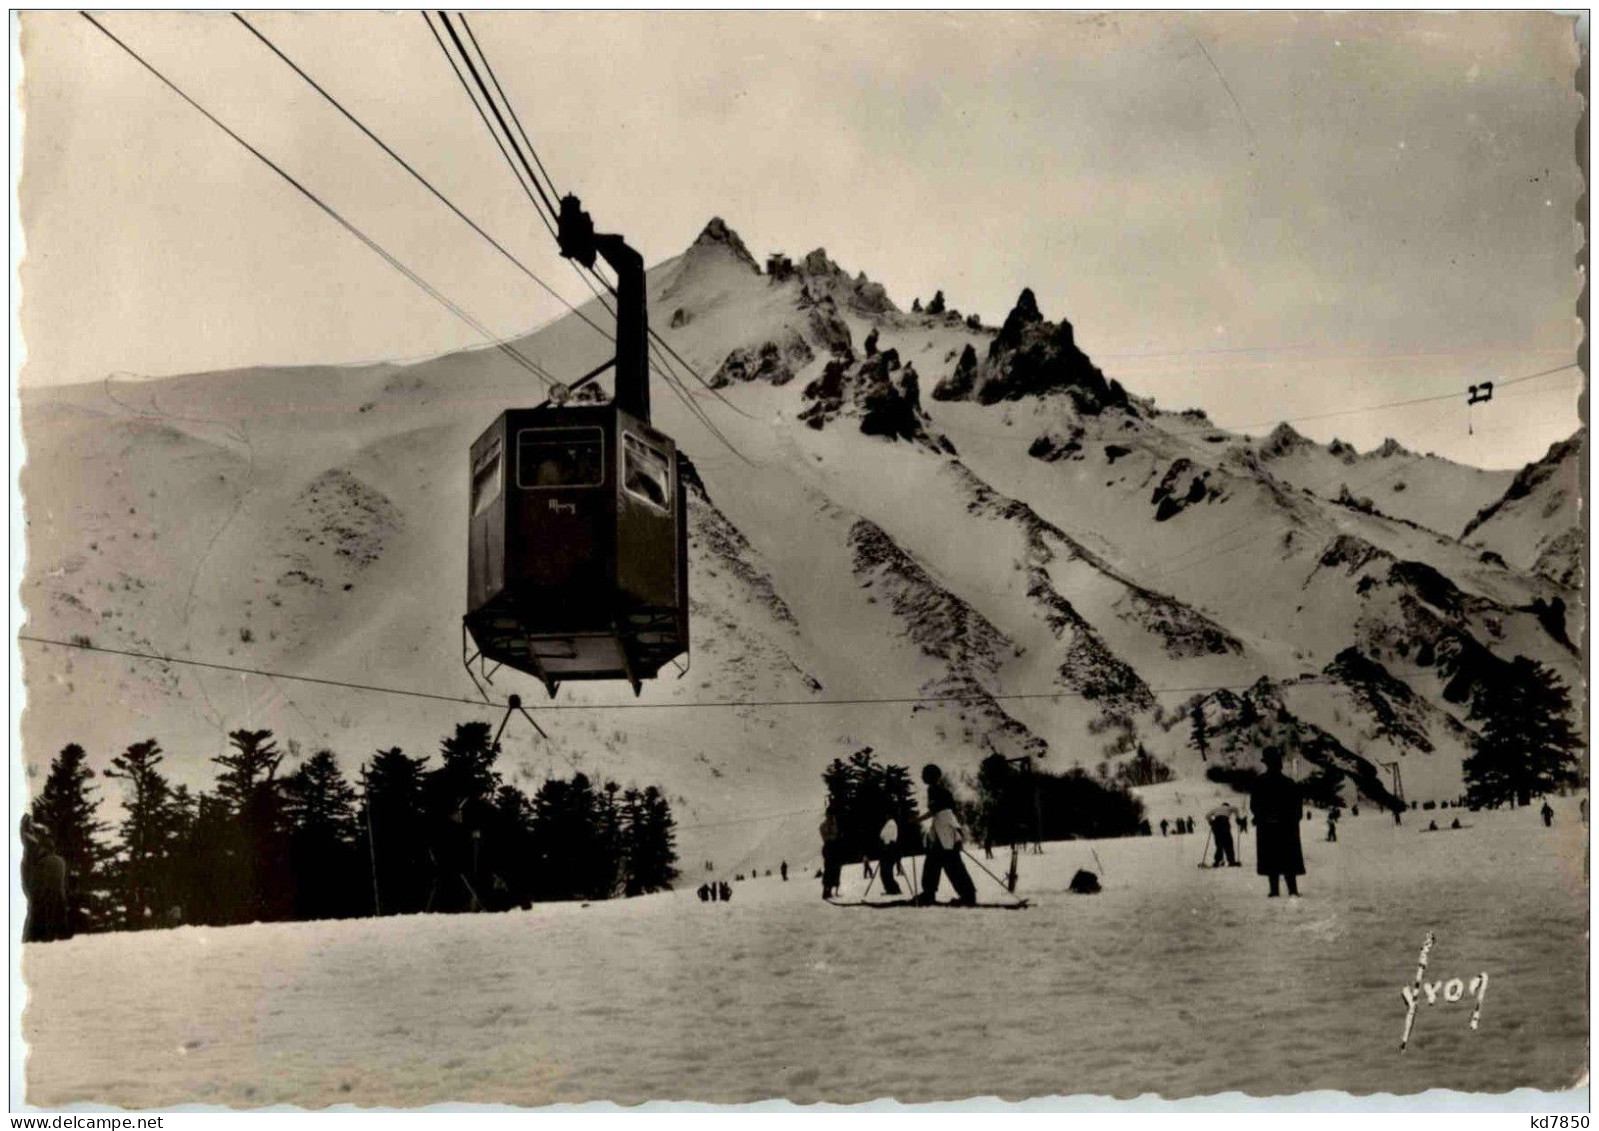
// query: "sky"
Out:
[1269,216]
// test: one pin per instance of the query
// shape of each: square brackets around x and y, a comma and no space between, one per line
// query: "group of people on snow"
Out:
[944,841]
[713,891]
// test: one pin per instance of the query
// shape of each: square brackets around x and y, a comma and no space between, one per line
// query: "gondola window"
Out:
[487,480]
[560,457]
[645,474]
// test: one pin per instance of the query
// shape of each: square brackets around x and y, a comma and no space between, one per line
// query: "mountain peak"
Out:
[1282,440]
[717,234]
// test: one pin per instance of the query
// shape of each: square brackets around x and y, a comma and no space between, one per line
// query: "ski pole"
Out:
[987,873]
[1206,849]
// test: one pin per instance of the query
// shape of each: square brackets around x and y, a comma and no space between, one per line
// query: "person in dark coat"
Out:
[1163,826]
[943,842]
[1275,804]
[832,852]
[784,871]
[44,882]
[1548,815]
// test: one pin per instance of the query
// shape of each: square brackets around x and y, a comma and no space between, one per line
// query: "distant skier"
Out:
[1275,804]
[1332,826]
[1220,820]
[704,893]
[727,891]
[943,842]
[784,870]
[832,852]
[1548,815]
[1163,826]
[1397,820]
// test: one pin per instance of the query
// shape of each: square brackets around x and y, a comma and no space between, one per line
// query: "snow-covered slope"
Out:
[1537,523]
[1057,563]
[1173,980]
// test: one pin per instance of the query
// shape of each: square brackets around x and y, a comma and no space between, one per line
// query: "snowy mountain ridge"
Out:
[1029,558]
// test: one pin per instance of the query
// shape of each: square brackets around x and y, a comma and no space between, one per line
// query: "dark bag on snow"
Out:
[1085,883]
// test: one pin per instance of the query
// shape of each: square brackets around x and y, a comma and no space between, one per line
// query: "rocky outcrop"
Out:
[882,393]
[1181,487]
[1283,441]
[772,362]
[820,276]
[1033,357]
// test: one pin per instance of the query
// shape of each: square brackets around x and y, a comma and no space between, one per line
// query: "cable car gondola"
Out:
[577,564]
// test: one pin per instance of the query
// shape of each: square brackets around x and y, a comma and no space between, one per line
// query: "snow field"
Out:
[1175,979]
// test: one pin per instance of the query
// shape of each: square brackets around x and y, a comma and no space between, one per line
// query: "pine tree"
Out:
[509,850]
[567,842]
[395,831]
[143,833]
[1527,744]
[257,852]
[936,306]
[651,843]
[460,795]
[319,809]
[70,815]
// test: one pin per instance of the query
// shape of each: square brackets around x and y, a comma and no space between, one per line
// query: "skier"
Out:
[832,852]
[943,842]
[1548,814]
[1221,830]
[1275,804]
[704,894]
[727,891]
[784,870]
[1332,826]
[1163,826]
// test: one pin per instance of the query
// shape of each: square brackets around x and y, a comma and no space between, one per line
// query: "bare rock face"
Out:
[774,362]
[1031,356]
[959,384]
[824,277]
[828,330]
[1180,488]
[1284,441]
[881,392]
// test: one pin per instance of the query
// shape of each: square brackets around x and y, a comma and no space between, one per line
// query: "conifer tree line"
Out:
[1019,804]
[273,843]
